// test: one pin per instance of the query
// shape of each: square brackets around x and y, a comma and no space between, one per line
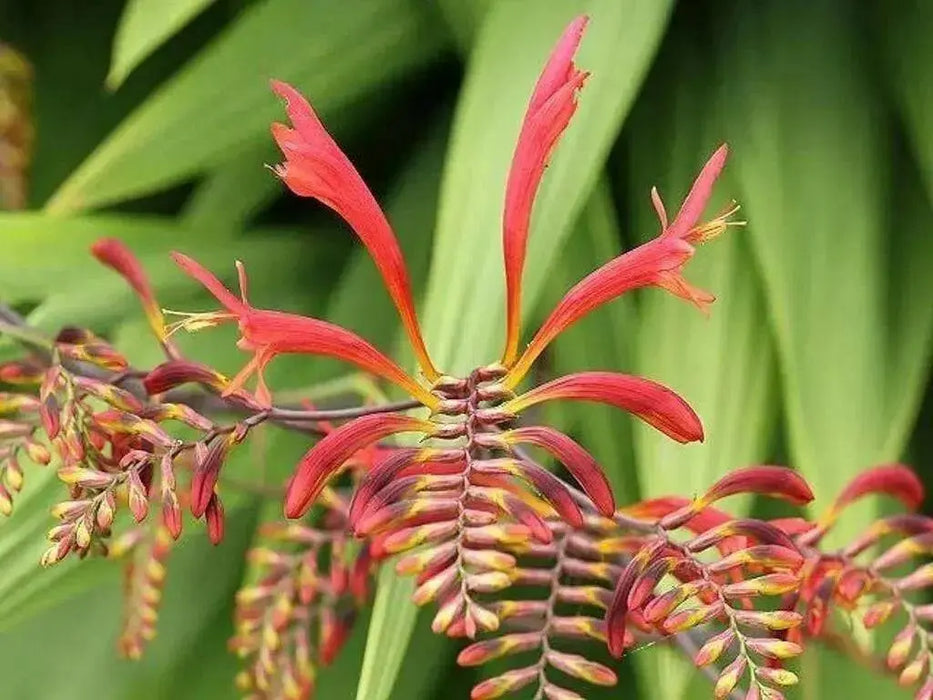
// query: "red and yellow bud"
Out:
[505,683]
[214,518]
[901,646]
[769,584]
[714,647]
[774,648]
[489,649]
[777,676]
[581,667]
[117,256]
[729,677]
[137,496]
[770,619]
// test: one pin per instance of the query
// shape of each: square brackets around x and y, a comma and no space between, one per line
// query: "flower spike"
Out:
[552,105]
[658,263]
[271,333]
[316,167]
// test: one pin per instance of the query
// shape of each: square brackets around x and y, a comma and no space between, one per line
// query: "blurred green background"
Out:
[151,124]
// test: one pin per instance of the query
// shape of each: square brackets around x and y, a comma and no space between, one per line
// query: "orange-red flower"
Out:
[316,167]
[270,333]
[114,254]
[552,105]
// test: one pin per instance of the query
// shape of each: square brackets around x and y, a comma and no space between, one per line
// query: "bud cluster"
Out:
[309,582]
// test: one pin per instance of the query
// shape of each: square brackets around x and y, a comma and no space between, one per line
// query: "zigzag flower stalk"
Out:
[449,496]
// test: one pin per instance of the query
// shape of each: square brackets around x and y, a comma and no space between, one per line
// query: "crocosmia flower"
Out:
[466,488]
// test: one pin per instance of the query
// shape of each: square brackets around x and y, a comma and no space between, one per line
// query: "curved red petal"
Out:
[117,256]
[195,270]
[640,267]
[552,489]
[550,109]
[326,457]
[779,482]
[578,461]
[695,202]
[282,332]
[316,167]
[895,480]
[652,402]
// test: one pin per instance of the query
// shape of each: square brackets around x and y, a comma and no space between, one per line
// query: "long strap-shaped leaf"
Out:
[144,26]
[333,51]
[800,110]
[464,311]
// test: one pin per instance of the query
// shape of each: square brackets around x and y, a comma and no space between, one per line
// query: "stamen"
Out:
[196,321]
[710,229]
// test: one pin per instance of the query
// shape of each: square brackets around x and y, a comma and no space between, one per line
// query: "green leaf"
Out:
[465,302]
[816,191]
[235,191]
[221,99]
[908,53]
[71,283]
[144,26]
[813,166]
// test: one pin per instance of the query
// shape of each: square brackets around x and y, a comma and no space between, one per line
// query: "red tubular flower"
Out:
[653,403]
[316,167]
[657,263]
[271,333]
[327,456]
[114,254]
[552,104]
